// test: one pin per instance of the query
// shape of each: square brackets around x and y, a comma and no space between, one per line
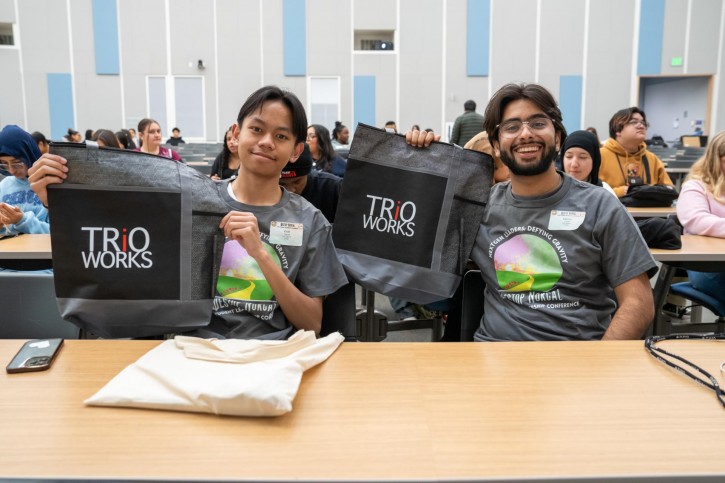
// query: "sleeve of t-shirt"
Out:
[624,252]
[320,272]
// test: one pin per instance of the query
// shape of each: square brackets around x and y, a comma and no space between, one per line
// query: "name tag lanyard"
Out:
[655,352]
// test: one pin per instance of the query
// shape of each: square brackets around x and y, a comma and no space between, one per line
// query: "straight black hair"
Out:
[273,93]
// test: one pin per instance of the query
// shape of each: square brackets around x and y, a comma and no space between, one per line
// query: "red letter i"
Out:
[397,211]
[124,239]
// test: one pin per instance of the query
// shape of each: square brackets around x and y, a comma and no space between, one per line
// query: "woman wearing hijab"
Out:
[580,158]
[21,211]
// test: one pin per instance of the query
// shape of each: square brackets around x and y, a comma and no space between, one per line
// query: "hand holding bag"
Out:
[408,217]
[136,242]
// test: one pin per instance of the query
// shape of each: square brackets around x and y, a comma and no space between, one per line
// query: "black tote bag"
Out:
[135,242]
[407,217]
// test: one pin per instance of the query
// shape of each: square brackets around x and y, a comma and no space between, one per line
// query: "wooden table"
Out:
[26,247]
[640,212]
[701,253]
[400,411]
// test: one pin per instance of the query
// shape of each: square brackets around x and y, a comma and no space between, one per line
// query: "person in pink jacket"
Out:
[701,209]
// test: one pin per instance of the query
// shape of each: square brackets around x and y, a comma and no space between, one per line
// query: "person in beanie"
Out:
[318,187]
[21,211]
[580,158]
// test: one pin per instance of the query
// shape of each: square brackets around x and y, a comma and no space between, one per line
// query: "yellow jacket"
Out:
[617,162]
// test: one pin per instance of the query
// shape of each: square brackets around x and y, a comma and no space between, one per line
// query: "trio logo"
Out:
[390,216]
[109,248]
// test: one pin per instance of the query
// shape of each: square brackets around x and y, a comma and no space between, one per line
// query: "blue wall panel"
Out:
[295,38]
[570,101]
[60,104]
[105,37]
[364,99]
[651,31]
[477,37]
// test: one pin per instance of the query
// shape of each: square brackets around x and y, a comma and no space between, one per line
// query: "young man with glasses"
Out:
[20,209]
[625,159]
[549,246]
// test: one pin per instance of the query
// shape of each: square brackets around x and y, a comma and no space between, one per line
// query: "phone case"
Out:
[35,355]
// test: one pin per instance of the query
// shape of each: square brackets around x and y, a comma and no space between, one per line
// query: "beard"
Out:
[534,169]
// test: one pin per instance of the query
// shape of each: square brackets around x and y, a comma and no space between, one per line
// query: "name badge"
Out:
[566,220]
[284,233]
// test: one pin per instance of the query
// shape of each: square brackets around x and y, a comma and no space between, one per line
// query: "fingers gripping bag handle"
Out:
[124,232]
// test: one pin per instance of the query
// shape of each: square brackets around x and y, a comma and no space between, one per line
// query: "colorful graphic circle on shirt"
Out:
[527,263]
[240,276]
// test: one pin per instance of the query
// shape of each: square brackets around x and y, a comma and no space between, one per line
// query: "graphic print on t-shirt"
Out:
[240,276]
[527,263]
[241,286]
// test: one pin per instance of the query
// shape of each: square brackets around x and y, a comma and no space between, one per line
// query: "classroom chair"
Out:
[338,313]
[30,310]
[472,311]
[686,290]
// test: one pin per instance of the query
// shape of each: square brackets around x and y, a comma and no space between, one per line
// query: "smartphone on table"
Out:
[35,355]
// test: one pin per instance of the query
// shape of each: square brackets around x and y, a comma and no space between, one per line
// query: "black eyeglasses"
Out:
[658,352]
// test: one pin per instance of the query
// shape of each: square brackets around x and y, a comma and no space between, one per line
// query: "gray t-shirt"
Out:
[301,243]
[550,263]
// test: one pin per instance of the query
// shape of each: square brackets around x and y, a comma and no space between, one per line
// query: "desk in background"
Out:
[701,253]
[26,252]
[517,411]
[26,247]
[662,212]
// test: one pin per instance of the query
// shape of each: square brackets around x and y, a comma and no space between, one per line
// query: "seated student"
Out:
[175,138]
[106,138]
[580,158]
[226,163]
[550,248]
[43,143]
[324,156]
[625,159]
[21,211]
[124,136]
[701,209]
[150,132]
[271,281]
[340,136]
[319,188]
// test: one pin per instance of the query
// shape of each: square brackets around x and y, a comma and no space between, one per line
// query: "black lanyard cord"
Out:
[655,352]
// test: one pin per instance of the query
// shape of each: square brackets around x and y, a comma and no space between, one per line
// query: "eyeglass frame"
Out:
[635,122]
[527,122]
[17,164]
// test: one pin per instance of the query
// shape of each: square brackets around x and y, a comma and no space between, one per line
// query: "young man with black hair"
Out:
[279,261]
[467,124]
[625,159]
[550,248]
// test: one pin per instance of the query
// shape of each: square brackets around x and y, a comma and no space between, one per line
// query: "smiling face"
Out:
[530,151]
[578,163]
[265,140]
[13,167]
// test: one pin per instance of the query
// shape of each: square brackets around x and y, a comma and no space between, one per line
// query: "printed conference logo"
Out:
[241,286]
[112,248]
[528,266]
[390,216]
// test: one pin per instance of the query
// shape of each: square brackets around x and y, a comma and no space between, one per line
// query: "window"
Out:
[6,34]
[324,101]
[374,40]
[177,102]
